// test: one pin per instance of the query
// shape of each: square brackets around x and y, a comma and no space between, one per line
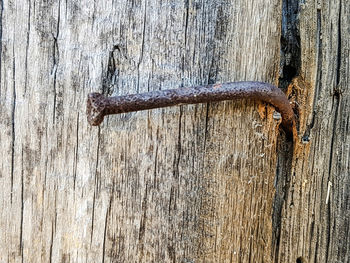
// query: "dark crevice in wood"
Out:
[282,186]
[290,65]
[178,147]
[109,81]
[142,47]
[143,36]
[54,95]
[27,48]
[51,241]
[213,70]
[96,183]
[93,216]
[142,227]
[22,210]
[53,225]
[290,43]
[301,260]
[55,56]
[186,21]
[339,55]
[105,228]
[13,115]
[306,136]
[319,53]
[76,153]
[206,131]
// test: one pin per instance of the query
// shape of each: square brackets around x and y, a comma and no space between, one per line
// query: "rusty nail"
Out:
[99,106]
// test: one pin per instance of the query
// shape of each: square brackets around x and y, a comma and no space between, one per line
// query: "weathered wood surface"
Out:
[315,219]
[184,184]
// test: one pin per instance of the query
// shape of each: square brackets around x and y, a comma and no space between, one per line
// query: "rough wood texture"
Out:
[315,222]
[184,184]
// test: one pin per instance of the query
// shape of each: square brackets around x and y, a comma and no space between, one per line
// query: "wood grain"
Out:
[315,215]
[193,183]
[184,184]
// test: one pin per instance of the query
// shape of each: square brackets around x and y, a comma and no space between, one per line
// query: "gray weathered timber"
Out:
[194,183]
[184,184]
[315,219]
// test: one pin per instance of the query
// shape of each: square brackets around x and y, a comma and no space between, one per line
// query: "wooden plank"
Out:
[316,211]
[184,184]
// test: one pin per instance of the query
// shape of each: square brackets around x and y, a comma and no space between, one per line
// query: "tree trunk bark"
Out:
[192,183]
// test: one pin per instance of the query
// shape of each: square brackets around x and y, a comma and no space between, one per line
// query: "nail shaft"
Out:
[99,106]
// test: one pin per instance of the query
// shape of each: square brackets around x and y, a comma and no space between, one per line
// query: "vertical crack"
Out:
[186,21]
[142,227]
[55,60]
[105,228]
[290,66]
[186,15]
[110,78]
[290,43]
[22,209]
[51,242]
[27,48]
[96,188]
[76,153]
[93,217]
[178,147]
[13,116]
[142,47]
[339,55]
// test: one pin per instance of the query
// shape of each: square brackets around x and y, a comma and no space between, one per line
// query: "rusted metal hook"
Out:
[99,106]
